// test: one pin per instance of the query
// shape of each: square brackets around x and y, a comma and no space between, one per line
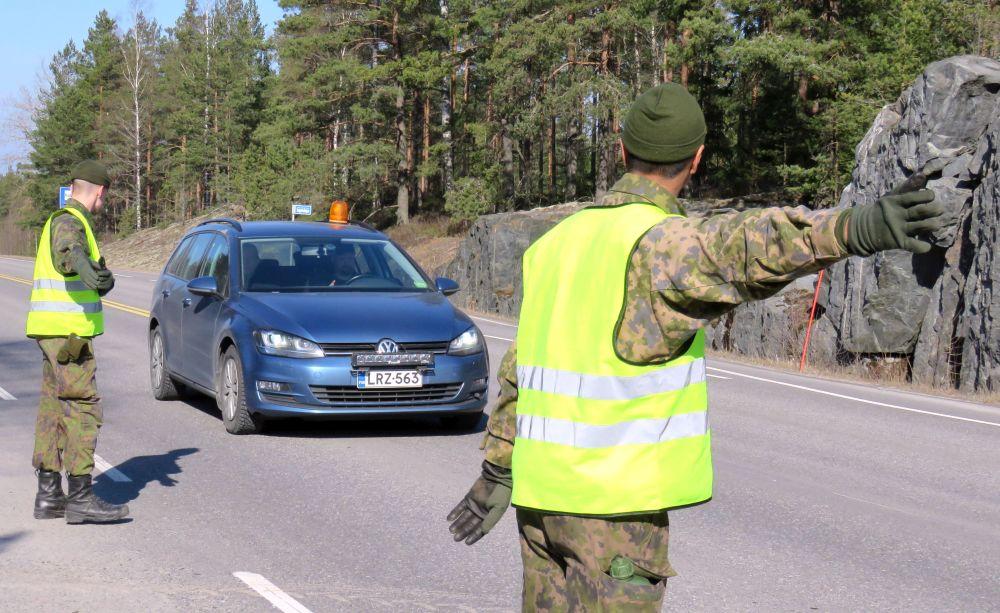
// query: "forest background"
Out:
[465,107]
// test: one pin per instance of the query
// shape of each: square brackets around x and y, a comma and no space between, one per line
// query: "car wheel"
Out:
[232,398]
[164,386]
[462,421]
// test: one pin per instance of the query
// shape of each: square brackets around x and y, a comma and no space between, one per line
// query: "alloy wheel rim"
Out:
[157,365]
[230,389]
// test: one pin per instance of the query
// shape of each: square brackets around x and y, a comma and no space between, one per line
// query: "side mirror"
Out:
[446,286]
[203,286]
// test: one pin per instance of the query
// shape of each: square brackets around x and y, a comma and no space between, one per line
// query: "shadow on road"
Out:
[142,470]
[7,539]
[373,427]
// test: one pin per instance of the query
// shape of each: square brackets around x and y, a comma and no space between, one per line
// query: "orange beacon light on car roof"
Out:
[339,211]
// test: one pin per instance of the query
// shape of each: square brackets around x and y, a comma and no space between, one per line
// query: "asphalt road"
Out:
[829,497]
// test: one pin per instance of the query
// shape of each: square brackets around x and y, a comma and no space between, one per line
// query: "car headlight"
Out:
[466,343]
[273,342]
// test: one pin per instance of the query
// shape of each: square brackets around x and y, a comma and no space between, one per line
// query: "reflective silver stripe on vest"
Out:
[589,436]
[66,307]
[609,387]
[59,284]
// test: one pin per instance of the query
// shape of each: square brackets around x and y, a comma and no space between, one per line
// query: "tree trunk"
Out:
[573,124]
[425,151]
[449,155]
[550,173]
[411,153]
[149,167]
[685,70]
[402,144]
[604,155]
[507,161]
[668,37]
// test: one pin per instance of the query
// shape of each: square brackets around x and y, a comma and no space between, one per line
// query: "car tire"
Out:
[231,396]
[164,386]
[462,421]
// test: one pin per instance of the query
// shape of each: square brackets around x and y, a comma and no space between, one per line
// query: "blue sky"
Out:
[32,31]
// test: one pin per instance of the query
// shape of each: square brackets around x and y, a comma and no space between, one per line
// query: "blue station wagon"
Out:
[311,320]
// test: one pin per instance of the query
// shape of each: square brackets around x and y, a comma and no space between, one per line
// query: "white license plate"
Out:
[389,378]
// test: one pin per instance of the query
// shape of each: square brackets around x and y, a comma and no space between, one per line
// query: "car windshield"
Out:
[312,264]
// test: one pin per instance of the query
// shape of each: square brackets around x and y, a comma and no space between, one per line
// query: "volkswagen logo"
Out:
[387,345]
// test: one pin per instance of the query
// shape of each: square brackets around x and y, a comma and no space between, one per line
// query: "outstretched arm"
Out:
[704,267]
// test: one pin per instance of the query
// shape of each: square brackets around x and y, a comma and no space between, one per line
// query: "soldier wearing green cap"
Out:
[64,317]
[602,423]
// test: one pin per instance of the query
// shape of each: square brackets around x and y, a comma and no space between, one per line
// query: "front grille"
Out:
[434,393]
[334,349]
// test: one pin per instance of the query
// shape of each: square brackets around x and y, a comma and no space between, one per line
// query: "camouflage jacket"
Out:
[686,272]
[67,232]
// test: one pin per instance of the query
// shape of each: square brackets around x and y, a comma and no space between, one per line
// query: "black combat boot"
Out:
[83,505]
[50,501]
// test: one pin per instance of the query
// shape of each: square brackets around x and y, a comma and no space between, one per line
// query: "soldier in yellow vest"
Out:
[64,316]
[602,424]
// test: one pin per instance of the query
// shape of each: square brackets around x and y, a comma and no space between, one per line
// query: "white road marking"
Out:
[280,600]
[5,395]
[102,466]
[125,276]
[800,387]
[491,321]
[856,399]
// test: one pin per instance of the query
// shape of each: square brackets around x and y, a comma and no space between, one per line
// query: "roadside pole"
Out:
[812,317]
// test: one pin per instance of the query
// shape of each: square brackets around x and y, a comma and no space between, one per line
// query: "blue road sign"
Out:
[63,196]
[302,209]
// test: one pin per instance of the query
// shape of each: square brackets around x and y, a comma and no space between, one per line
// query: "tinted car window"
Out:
[195,256]
[217,263]
[399,267]
[179,258]
[291,264]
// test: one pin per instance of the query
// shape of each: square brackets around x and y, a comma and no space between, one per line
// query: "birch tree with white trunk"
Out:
[137,46]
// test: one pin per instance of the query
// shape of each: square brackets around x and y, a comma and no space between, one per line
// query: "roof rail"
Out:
[363,225]
[235,224]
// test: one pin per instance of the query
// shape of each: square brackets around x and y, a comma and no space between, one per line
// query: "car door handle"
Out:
[186,302]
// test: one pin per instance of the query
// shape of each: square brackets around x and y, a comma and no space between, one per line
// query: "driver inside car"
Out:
[345,266]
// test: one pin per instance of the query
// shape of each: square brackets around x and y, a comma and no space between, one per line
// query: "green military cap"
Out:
[664,125]
[91,171]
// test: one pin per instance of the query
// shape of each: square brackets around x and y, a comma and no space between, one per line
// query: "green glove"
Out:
[106,280]
[483,506]
[894,222]
[85,267]
[72,349]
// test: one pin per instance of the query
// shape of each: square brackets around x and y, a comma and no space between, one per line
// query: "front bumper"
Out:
[326,388]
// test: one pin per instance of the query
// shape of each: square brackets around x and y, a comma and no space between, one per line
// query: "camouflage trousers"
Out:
[566,561]
[69,412]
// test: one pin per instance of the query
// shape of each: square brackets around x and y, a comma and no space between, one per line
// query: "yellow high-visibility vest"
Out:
[597,435]
[63,305]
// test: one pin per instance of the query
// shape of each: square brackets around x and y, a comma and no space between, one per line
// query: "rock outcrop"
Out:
[936,309]
[488,263]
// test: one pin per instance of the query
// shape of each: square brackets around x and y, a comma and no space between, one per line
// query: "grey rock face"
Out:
[488,264]
[768,328]
[979,324]
[935,308]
